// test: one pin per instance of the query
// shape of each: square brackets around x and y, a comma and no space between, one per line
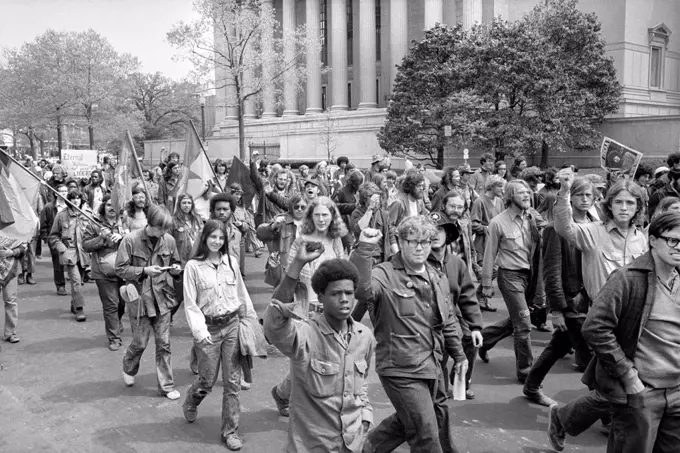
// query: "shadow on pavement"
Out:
[65,345]
[516,414]
[47,314]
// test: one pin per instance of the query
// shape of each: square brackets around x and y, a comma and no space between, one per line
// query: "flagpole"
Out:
[44,183]
[206,156]
[131,144]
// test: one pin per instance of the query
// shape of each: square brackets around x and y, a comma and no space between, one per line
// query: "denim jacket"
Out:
[134,254]
[99,246]
[329,378]
[413,318]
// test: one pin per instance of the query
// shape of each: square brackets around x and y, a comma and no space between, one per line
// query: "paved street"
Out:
[62,391]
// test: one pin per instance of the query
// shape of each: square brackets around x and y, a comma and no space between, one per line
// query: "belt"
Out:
[220,320]
[315,308]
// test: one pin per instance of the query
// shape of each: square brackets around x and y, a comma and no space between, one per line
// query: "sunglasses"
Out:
[300,207]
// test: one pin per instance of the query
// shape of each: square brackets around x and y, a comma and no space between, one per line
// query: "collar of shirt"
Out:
[611,225]
[326,328]
[672,283]
[224,261]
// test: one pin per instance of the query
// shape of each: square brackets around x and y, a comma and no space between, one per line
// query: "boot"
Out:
[29,279]
[21,280]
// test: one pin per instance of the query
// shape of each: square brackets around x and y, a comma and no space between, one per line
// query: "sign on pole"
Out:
[619,159]
[447,131]
[79,163]
[466,154]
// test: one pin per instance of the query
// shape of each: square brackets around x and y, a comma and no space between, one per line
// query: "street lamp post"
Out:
[201,101]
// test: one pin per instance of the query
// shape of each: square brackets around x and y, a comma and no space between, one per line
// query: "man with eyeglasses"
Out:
[414,324]
[514,245]
[633,329]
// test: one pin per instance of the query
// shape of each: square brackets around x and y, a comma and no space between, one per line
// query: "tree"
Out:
[540,83]
[327,136]
[234,45]
[165,105]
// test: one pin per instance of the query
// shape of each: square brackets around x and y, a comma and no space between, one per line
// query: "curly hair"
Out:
[229,198]
[336,229]
[410,182]
[624,185]
[131,207]
[331,271]
[420,225]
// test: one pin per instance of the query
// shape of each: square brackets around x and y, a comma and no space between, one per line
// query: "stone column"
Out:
[472,13]
[339,54]
[313,16]
[450,13]
[398,35]
[268,93]
[434,13]
[290,96]
[367,43]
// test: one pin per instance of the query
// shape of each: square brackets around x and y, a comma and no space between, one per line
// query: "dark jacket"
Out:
[463,291]
[408,344]
[282,237]
[47,217]
[398,210]
[270,205]
[439,196]
[88,191]
[100,248]
[562,273]
[346,201]
[655,199]
[614,324]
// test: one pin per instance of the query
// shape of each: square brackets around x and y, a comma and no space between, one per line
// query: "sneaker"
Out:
[29,279]
[556,434]
[114,345]
[486,306]
[80,316]
[245,385]
[129,380]
[173,395]
[483,354]
[233,442]
[61,291]
[190,412]
[538,397]
[13,338]
[281,404]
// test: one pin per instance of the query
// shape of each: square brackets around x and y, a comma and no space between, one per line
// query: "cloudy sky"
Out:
[133,26]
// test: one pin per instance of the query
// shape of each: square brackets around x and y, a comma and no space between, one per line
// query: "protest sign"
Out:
[619,159]
[79,163]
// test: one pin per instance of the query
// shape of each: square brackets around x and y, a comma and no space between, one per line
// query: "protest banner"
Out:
[79,163]
[619,159]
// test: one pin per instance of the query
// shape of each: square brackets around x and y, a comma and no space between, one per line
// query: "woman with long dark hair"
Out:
[102,241]
[186,226]
[151,185]
[215,296]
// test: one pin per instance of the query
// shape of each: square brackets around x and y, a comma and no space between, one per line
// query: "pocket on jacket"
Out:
[405,302]
[323,375]
[165,258]
[360,369]
[402,349]
[511,241]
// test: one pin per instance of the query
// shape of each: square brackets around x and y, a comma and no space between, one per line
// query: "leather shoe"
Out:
[281,404]
[29,279]
[538,397]
[61,291]
[80,316]
[190,412]
[21,280]
[486,306]
[544,328]
[469,394]
[484,355]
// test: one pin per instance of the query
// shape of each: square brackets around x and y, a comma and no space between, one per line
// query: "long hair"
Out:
[620,186]
[295,199]
[337,227]
[510,189]
[102,207]
[191,217]
[131,208]
[236,187]
[202,251]
[167,173]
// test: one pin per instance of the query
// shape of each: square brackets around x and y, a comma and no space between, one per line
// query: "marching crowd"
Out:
[594,260]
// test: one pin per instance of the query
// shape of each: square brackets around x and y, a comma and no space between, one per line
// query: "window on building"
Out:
[323,32]
[655,68]
[658,43]
[323,98]
[350,34]
[349,95]
[377,30]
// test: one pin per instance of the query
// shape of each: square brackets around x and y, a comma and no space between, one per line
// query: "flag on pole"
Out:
[196,172]
[126,171]
[18,219]
[240,173]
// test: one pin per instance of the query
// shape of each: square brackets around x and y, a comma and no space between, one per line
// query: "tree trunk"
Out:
[545,149]
[440,157]
[90,127]
[59,137]
[31,139]
[241,134]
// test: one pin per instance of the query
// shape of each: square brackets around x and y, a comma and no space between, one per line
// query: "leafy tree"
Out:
[166,105]
[234,45]
[540,83]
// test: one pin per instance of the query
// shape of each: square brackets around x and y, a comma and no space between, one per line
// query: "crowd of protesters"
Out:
[593,260]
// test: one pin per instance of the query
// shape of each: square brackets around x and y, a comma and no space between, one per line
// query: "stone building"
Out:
[364,40]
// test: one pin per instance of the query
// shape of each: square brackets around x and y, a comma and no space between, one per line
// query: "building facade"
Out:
[363,41]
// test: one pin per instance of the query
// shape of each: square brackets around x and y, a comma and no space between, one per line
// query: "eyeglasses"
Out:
[300,207]
[415,244]
[672,242]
